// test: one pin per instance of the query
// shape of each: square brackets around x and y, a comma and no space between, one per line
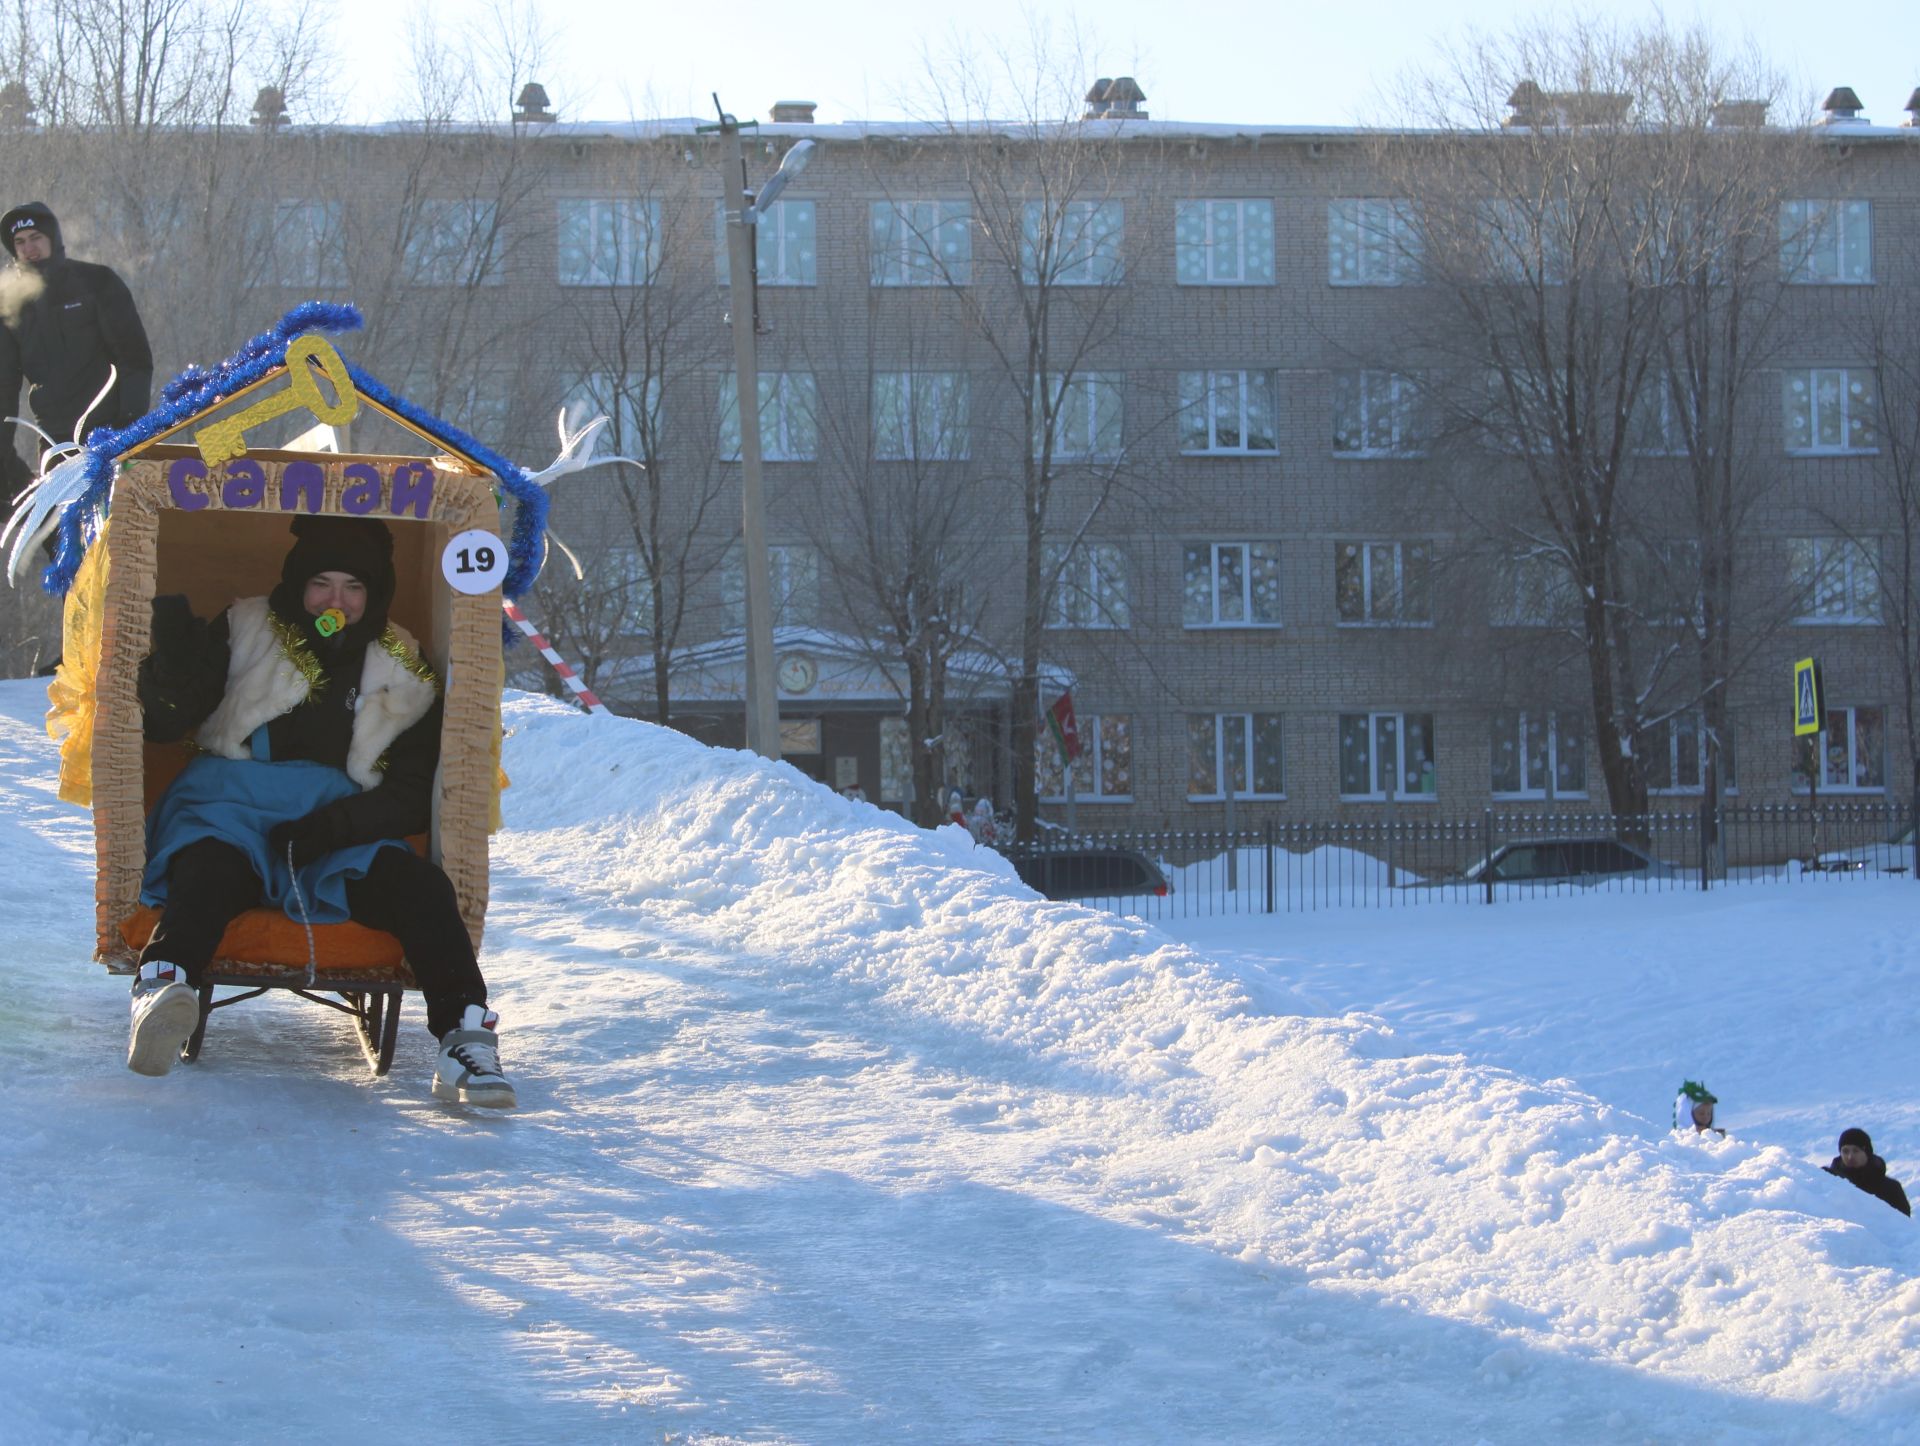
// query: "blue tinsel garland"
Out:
[199,388]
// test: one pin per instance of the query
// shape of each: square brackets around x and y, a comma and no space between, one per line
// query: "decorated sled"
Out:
[185,502]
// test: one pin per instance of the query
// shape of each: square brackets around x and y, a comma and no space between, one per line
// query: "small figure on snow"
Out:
[1859,1166]
[1693,1110]
[318,729]
[980,821]
[956,807]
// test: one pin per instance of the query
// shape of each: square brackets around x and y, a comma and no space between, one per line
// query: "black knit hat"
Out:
[1858,1137]
[34,216]
[361,546]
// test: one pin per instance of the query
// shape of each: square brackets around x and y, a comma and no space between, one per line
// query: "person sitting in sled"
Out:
[317,727]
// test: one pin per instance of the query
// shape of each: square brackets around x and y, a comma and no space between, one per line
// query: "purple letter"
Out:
[246,484]
[363,492]
[412,487]
[177,475]
[304,482]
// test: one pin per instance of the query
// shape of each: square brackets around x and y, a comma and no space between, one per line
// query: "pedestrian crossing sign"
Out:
[1808,713]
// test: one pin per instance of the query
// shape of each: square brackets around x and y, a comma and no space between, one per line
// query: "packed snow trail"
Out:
[831,1132]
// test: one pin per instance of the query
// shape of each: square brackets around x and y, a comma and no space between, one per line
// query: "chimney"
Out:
[792,112]
[1843,107]
[1097,99]
[1524,105]
[1730,113]
[16,107]
[531,108]
[1123,99]
[269,109]
[1913,107]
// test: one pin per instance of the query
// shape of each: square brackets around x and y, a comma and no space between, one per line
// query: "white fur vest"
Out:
[263,682]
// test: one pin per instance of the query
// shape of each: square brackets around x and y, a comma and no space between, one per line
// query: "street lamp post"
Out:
[744,210]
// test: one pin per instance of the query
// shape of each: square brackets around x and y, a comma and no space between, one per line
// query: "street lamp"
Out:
[744,210]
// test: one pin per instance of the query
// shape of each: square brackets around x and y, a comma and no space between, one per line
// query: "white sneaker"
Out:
[468,1070]
[166,1011]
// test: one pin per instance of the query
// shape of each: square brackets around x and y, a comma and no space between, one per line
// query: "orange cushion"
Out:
[267,936]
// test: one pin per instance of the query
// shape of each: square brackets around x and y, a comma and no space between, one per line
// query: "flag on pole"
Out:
[1065,731]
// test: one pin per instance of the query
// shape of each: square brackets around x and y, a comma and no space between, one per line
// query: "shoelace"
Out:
[479,1059]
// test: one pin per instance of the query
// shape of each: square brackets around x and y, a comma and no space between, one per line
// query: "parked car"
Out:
[1074,872]
[1895,856]
[1568,860]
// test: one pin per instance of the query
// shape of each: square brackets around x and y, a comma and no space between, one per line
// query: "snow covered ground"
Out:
[832,1132]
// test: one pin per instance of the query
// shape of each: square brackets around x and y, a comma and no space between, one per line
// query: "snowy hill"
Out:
[832,1131]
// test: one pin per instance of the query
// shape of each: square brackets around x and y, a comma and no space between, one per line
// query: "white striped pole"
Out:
[567,675]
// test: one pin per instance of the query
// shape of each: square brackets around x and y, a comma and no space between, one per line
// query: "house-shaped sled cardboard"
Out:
[219,532]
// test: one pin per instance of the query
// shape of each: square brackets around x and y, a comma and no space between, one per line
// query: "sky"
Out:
[1293,65]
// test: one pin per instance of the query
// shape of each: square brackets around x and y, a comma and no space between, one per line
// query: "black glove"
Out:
[312,837]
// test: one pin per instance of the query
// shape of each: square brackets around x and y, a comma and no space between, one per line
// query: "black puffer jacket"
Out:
[183,679]
[1874,1179]
[62,324]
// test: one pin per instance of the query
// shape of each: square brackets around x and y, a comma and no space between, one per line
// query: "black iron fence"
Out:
[1413,858]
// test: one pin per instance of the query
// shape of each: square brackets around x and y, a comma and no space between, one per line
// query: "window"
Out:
[1231,584]
[784,252]
[308,246]
[1827,243]
[1104,770]
[1524,243]
[1087,417]
[794,577]
[920,243]
[1830,410]
[1853,755]
[1227,412]
[453,243]
[1656,427]
[1223,243]
[1372,243]
[607,241]
[632,403]
[1663,580]
[788,408]
[1083,249]
[1092,588]
[1383,582]
[1533,589]
[896,761]
[477,400]
[1386,752]
[1373,414]
[920,416]
[1675,753]
[1538,755]
[1238,751]
[1834,579]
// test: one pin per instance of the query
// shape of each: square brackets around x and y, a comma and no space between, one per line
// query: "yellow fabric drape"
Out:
[71,695]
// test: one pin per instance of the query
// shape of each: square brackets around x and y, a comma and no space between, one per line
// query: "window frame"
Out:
[1399,718]
[1797,775]
[1248,588]
[903,253]
[1090,387]
[476,267]
[776,444]
[1104,263]
[1859,558]
[1366,546]
[1520,717]
[1207,246]
[790,585]
[1813,231]
[1400,231]
[1811,376]
[1729,784]
[1094,729]
[1061,560]
[1249,735]
[631,216]
[955,409]
[1205,404]
[324,246]
[772,222]
[1401,402]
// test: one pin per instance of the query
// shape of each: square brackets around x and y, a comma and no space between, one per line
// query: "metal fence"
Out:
[1413,858]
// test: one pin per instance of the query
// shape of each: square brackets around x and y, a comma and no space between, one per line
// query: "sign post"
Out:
[1809,717]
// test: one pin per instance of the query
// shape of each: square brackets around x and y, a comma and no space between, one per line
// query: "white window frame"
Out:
[1086,577]
[906,239]
[1369,556]
[1698,722]
[1518,720]
[1823,746]
[779,259]
[789,417]
[1199,391]
[1247,256]
[1852,380]
[1376,793]
[1099,225]
[1656,429]
[1248,592]
[453,241]
[933,411]
[1089,422]
[1102,736]
[1395,258]
[622,240]
[793,575]
[320,249]
[1821,238]
[1811,559]
[1534,574]
[1248,725]
[635,416]
[1372,392]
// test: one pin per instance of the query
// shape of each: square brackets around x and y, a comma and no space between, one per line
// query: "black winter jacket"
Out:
[1874,1179]
[183,679]
[61,335]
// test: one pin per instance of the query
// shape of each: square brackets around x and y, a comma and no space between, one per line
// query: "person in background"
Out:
[1693,1110]
[64,324]
[1860,1167]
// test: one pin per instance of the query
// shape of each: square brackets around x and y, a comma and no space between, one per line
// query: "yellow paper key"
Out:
[226,439]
